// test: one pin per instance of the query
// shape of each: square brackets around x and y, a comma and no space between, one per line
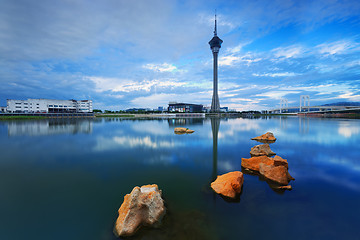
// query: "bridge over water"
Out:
[306,108]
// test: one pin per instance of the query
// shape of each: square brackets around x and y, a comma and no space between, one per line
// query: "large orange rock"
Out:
[267,137]
[279,161]
[278,174]
[142,207]
[229,184]
[254,162]
[261,150]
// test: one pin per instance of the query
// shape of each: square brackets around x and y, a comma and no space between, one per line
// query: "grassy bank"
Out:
[21,117]
[115,115]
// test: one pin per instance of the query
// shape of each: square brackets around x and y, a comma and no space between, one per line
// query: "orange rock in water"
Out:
[279,161]
[142,207]
[278,174]
[267,137]
[254,162]
[181,130]
[229,184]
[261,150]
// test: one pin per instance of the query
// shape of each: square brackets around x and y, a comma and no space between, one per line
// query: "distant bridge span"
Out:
[313,109]
[306,108]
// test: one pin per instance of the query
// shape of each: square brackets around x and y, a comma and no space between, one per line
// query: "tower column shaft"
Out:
[215,104]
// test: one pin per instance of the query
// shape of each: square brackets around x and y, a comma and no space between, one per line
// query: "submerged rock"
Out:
[229,184]
[181,130]
[278,174]
[261,150]
[142,207]
[265,138]
[253,162]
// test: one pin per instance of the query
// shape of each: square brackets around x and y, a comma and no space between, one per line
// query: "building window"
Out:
[50,105]
[56,106]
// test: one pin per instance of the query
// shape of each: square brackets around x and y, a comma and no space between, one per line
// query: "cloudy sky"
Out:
[140,53]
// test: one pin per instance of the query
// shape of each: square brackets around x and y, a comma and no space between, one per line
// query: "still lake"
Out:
[66,178]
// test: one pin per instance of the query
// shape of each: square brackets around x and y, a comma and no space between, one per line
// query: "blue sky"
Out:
[124,54]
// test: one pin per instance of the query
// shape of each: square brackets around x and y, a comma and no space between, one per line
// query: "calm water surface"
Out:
[66,179]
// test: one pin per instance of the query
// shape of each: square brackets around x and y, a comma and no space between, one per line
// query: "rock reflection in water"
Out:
[179,225]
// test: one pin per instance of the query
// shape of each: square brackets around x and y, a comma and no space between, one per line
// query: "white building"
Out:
[2,109]
[48,106]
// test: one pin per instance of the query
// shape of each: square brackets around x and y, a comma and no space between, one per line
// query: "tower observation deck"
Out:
[215,45]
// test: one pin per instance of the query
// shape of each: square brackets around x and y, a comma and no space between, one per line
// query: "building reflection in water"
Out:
[185,121]
[49,126]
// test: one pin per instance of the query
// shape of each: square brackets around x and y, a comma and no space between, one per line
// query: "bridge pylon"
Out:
[283,104]
[304,100]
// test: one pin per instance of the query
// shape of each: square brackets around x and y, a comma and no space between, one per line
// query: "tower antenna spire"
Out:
[215,31]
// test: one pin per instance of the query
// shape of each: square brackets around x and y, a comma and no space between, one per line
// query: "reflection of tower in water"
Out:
[215,124]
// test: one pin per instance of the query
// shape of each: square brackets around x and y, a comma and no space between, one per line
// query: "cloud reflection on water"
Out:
[347,129]
[104,144]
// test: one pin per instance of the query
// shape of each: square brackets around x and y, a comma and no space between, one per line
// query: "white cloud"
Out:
[232,59]
[164,67]
[228,60]
[237,48]
[338,47]
[125,85]
[288,52]
[276,94]
[283,74]
[349,96]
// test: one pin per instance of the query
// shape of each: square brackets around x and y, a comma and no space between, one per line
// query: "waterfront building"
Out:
[224,109]
[49,106]
[2,109]
[184,107]
[215,45]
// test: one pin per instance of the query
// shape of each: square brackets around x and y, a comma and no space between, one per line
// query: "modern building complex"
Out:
[184,107]
[48,106]
[215,45]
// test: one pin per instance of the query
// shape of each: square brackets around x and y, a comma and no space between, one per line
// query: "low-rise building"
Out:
[2,109]
[48,106]
[184,107]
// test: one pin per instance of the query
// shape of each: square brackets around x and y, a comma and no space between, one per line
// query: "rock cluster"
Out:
[274,169]
[229,184]
[181,130]
[142,207]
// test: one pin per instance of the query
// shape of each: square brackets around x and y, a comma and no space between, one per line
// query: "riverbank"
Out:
[21,117]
